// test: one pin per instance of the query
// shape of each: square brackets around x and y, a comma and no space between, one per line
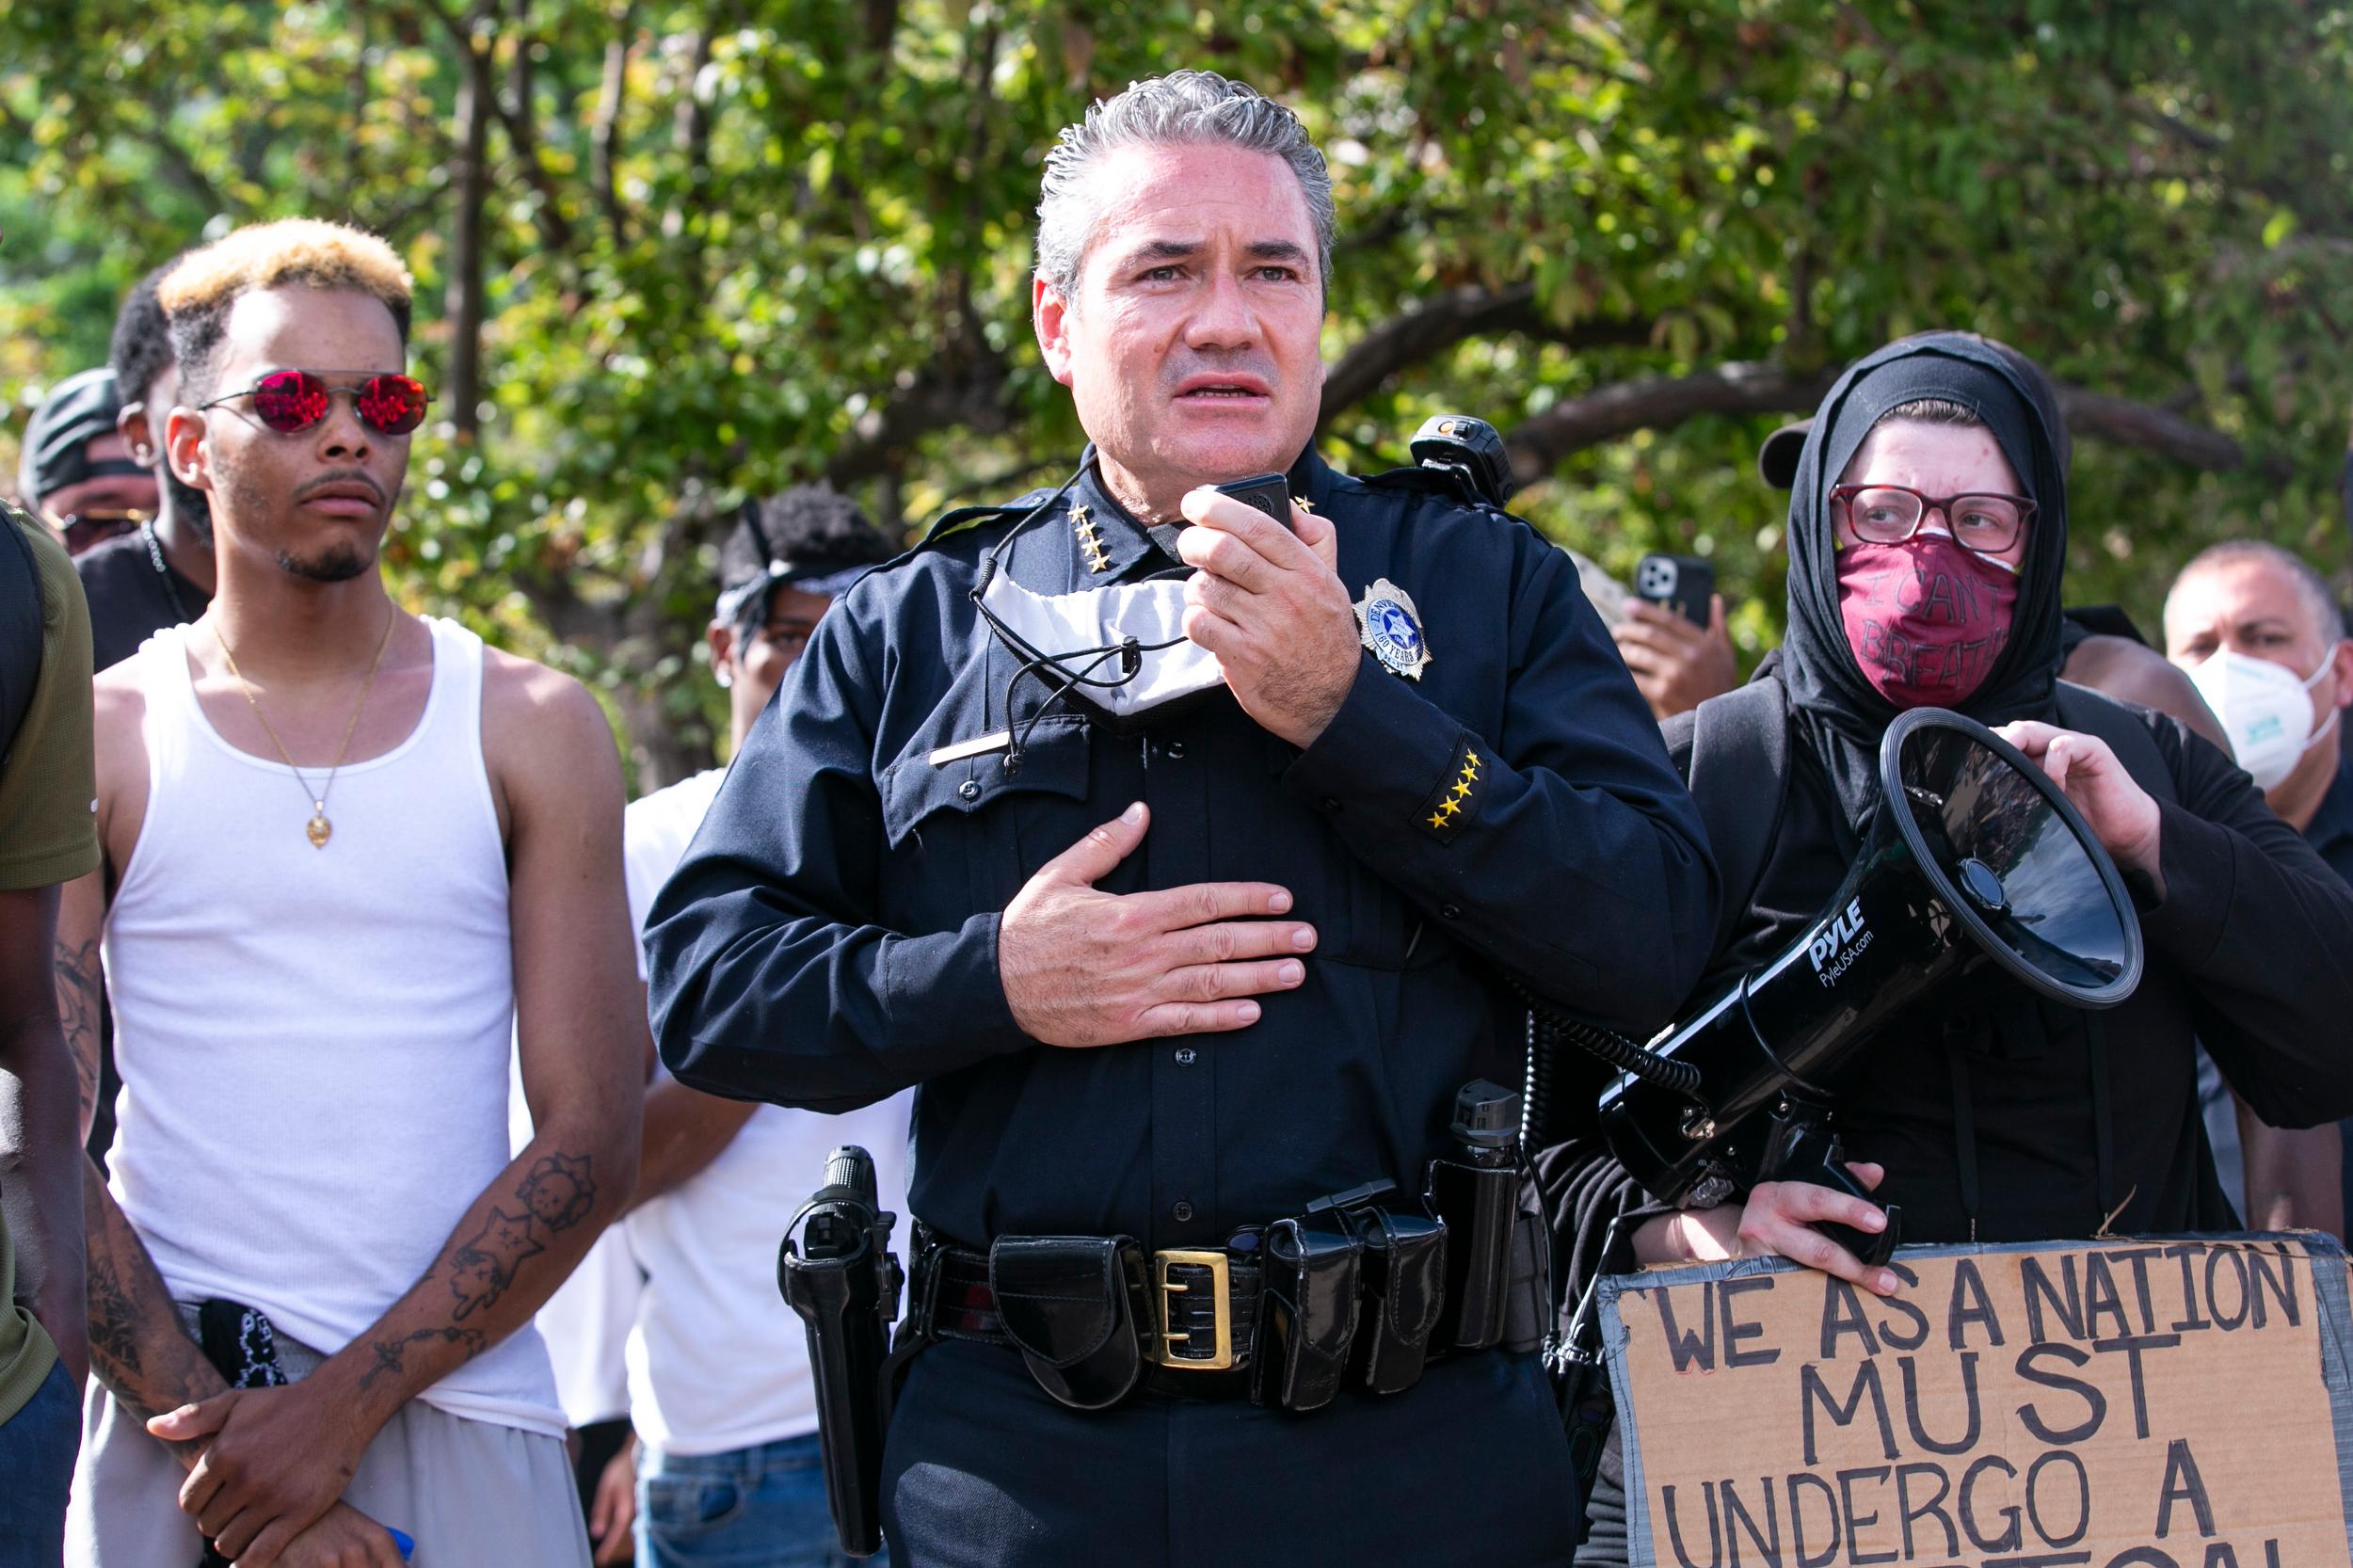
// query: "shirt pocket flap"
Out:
[1054,760]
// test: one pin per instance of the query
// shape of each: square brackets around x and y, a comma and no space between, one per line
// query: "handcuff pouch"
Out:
[1073,1305]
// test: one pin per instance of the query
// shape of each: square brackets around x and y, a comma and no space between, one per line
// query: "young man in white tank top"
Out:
[347,850]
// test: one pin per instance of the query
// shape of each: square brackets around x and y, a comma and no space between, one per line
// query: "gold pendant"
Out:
[319,829]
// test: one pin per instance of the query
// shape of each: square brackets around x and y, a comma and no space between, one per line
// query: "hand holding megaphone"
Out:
[1782,1217]
[2118,811]
[1778,1219]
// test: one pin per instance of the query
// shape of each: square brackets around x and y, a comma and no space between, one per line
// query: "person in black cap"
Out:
[76,470]
[160,573]
[1928,533]
[721,1395]
[785,560]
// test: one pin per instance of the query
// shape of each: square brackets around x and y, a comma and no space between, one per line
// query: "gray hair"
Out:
[2320,605]
[1181,107]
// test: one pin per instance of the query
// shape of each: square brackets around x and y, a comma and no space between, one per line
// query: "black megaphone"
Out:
[1974,857]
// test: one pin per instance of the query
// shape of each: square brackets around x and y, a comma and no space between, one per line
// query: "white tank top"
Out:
[313,1042]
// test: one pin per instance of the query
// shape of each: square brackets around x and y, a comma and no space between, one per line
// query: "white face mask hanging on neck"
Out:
[1122,648]
[2264,710]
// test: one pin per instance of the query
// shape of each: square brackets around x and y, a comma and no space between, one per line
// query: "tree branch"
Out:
[604,154]
[463,305]
[176,165]
[475,39]
[1430,329]
[969,396]
[2154,427]
[522,135]
[2297,196]
[1661,402]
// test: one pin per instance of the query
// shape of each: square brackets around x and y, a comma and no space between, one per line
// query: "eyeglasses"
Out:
[1890,513]
[292,401]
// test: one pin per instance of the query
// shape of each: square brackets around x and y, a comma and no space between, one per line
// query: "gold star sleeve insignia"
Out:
[1450,807]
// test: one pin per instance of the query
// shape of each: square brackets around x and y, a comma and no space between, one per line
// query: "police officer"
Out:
[1181,867]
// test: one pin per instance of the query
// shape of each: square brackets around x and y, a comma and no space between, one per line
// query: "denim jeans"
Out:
[755,1507]
[37,1449]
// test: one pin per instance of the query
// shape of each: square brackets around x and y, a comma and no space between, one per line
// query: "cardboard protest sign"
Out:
[2159,1402]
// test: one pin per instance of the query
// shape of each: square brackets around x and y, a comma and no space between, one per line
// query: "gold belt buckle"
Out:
[1220,1283]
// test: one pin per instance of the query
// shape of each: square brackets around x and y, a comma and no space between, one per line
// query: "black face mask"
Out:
[1839,711]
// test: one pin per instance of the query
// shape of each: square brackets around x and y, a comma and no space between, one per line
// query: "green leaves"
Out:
[727,246]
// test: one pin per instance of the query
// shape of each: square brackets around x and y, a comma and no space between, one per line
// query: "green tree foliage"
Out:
[684,251]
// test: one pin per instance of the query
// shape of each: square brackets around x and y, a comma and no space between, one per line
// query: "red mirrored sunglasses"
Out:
[292,401]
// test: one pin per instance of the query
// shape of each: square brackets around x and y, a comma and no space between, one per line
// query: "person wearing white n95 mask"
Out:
[2264,708]
[2256,630]
[2259,632]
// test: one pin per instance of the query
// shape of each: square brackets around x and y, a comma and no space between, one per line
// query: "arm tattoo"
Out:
[79,987]
[559,1190]
[484,1264]
[138,1348]
[113,1346]
[391,1353]
[556,1195]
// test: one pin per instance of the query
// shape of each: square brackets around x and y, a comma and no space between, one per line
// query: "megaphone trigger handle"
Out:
[1869,1250]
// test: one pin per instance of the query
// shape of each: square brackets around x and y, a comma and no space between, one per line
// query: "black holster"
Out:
[845,1284]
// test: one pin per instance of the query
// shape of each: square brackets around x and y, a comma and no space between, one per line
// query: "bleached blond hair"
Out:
[200,291]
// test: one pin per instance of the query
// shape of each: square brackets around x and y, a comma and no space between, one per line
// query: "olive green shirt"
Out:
[48,835]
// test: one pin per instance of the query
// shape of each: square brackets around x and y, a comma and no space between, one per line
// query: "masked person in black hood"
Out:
[1928,531]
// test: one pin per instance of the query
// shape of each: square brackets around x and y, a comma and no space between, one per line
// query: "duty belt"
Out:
[1348,1294]
[1203,1317]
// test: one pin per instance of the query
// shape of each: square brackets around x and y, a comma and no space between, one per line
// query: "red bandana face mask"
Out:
[1926,619]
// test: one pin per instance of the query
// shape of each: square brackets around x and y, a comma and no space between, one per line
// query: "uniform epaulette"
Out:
[963,517]
[1448,483]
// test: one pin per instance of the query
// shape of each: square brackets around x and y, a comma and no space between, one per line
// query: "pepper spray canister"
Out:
[1475,1190]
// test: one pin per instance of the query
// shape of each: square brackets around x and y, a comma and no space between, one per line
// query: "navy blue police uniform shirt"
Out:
[831,935]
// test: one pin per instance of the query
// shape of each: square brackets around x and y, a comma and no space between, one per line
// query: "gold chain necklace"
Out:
[318,828]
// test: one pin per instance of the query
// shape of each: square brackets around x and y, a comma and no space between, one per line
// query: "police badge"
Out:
[1390,628]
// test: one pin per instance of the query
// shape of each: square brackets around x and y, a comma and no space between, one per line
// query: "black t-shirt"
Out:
[129,600]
